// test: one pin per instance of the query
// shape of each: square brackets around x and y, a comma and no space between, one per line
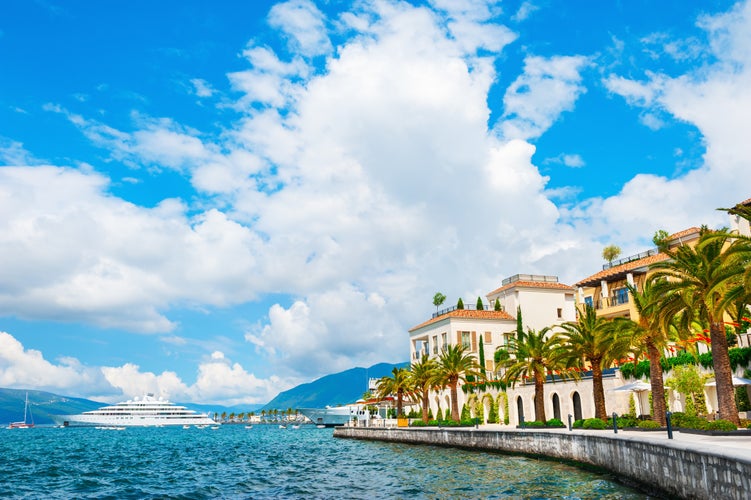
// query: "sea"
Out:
[267,462]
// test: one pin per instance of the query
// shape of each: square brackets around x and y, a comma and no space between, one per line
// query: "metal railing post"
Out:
[615,423]
[670,424]
[570,427]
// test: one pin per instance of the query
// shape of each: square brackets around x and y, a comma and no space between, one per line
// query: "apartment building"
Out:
[606,290]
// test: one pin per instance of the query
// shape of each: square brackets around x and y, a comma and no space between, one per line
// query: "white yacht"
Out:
[144,412]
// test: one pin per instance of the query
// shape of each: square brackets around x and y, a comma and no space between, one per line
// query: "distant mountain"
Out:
[337,389]
[42,405]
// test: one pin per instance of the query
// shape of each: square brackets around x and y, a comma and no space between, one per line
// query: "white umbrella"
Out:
[638,386]
[737,381]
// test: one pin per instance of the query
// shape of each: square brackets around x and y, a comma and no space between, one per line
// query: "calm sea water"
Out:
[268,462]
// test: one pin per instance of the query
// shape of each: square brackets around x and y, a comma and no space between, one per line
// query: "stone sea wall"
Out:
[667,468]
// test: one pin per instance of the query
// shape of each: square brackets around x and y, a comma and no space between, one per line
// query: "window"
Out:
[488,338]
[444,341]
[435,344]
[465,340]
[621,296]
[560,313]
[588,301]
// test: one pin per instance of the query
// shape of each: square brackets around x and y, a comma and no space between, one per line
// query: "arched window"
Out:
[556,407]
[577,401]
[520,408]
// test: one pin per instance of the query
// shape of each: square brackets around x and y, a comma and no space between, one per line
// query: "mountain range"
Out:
[330,390]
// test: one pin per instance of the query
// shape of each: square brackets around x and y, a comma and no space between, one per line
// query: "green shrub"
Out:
[554,422]
[685,421]
[594,423]
[534,423]
[649,424]
[418,423]
[627,421]
[578,424]
[722,425]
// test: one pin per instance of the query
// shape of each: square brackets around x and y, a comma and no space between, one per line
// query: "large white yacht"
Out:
[144,412]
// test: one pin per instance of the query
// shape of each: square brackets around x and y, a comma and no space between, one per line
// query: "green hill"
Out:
[331,390]
[42,405]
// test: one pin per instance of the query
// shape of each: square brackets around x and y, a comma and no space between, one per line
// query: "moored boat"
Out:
[25,424]
[336,415]
[145,412]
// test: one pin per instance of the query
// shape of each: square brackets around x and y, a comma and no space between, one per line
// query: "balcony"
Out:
[467,307]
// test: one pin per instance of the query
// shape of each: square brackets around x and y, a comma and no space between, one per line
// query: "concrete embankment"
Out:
[687,467]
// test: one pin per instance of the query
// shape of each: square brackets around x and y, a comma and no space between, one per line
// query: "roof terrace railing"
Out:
[630,258]
[530,277]
[468,307]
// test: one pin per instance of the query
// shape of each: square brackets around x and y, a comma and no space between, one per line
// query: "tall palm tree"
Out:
[698,279]
[534,355]
[421,376]
[397,383]
[650,335]
[454,365]
[591,339]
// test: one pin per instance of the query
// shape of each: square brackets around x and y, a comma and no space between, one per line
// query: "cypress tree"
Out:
[460,304]
[497,305]
[480,306]
[519,323]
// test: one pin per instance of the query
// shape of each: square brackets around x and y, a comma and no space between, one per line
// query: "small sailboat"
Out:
[249,426]
[296,426]
[186,426]
[282,426]
[26,414]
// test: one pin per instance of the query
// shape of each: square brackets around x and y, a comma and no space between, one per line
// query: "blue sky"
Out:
[218,202]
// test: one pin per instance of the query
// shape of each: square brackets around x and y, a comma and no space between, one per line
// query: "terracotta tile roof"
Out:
[531,284]
[622,270]
[744,202]
[468,314]
[685,232]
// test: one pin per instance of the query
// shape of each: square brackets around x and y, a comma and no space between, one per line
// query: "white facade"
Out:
[543,301]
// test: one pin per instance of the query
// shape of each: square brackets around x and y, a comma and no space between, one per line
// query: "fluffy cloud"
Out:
[218,380]
[548,87]
[714,99]
[27,368]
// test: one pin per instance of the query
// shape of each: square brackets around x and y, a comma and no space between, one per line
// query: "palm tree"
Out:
[535,354]
[698,279]
[421,376]
[650,335]
[398,383]
[454,365]
[592,339]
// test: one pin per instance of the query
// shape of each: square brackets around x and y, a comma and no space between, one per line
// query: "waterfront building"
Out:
[543,302]
[606,290]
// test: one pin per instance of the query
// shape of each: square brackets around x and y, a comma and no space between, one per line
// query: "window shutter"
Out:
[488,337]
[474,341]
[458,338]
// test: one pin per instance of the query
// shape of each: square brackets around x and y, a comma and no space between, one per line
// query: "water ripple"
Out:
[267,462]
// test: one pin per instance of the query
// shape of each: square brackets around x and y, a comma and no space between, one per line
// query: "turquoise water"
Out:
[268,462]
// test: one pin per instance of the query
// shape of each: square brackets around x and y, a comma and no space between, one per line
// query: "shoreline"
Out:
[688,466]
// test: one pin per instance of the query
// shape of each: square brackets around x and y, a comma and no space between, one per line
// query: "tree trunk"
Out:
[540,397]
[454,402]
[425,405]
[398,404]
[598,392]
[655,380]
[723,374]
